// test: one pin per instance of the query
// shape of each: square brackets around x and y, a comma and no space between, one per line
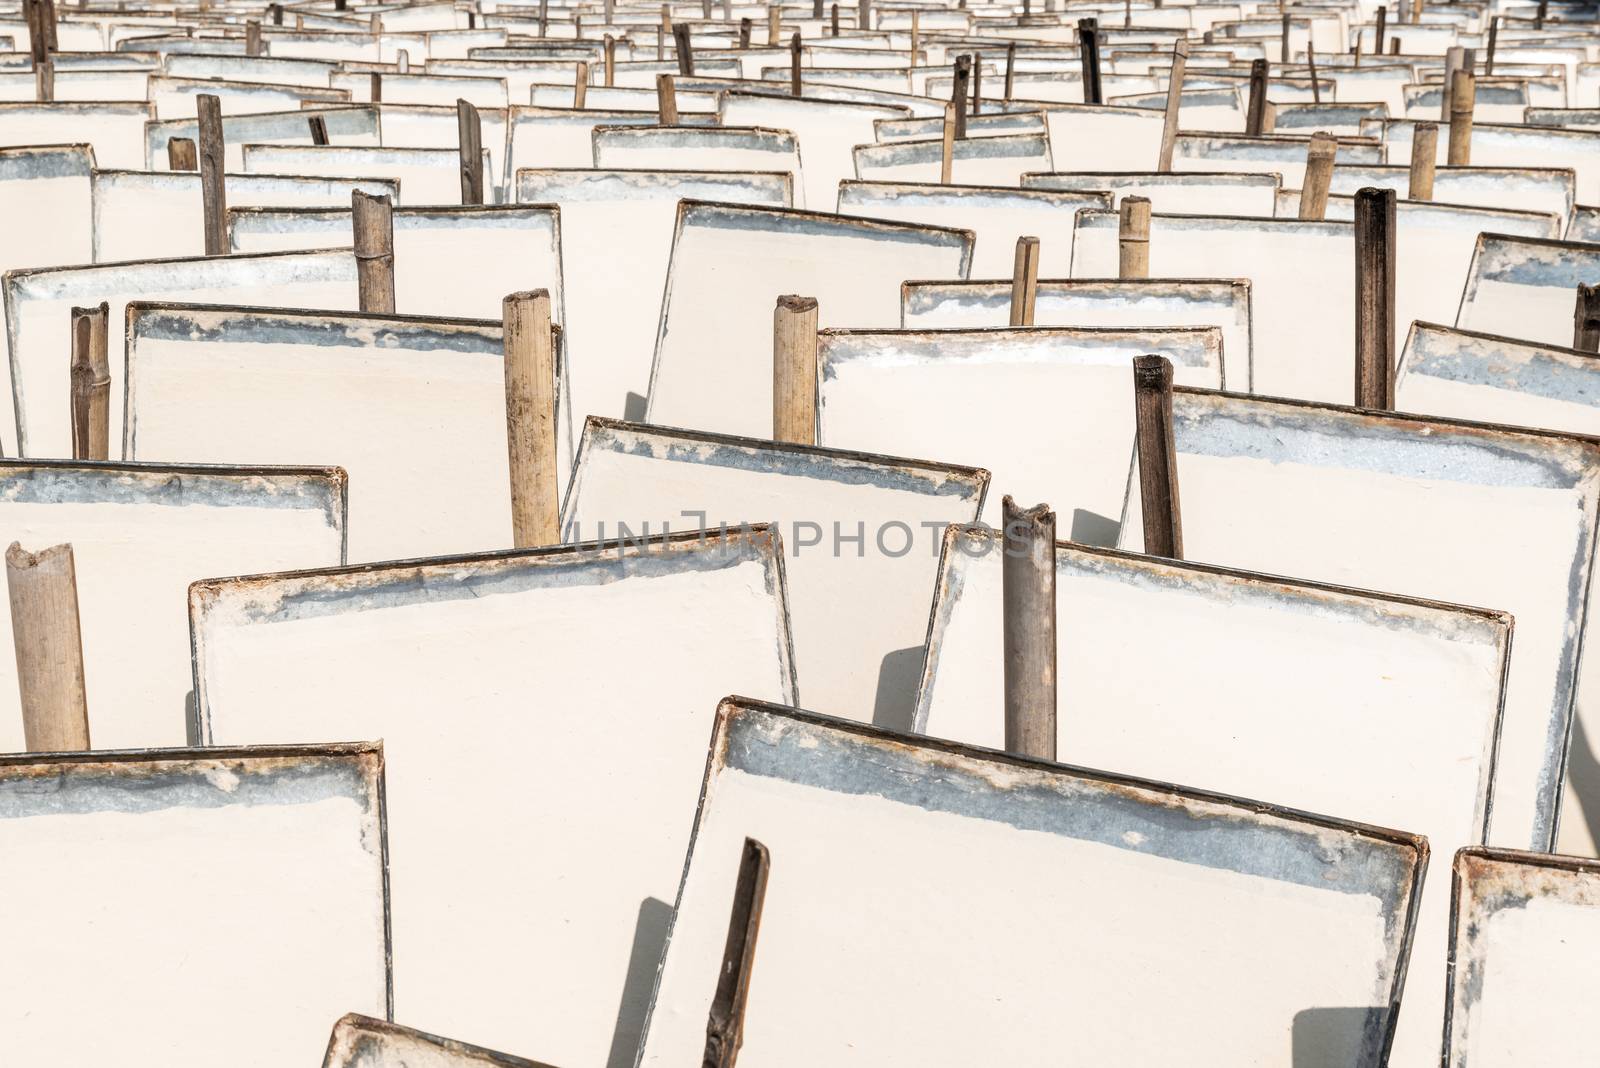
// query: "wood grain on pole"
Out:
[1028,597]
[958,93]
[1375,234]
[1158,460]
[181,155]
[1319,175]
[1011,68]
[947,150]
[1424,160]
[794,65]
[1255,122]
[91,385]
[214,196]
[1025,281]
[725,1019]
[372,222]
[683,45]
[794,370]
[667,99]
[580,85]
[469,144]
[49,648]
[1169,126]
[319,129]
[1089,51]
[530,368]
[1463,98]
[774,25]
[1586,319]
[611,61]
[1133,238]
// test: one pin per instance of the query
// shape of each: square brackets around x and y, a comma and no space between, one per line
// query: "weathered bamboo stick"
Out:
[469,143]
[725,1020]
[214,196]
[794,370]
[49,648]
[774,25]
[1375,246]
[667,99]
[1169,126]
[372,224]
[1158,462]
[948,148]
[1463,99]
[1025,281]
[1586,319]
[181,155]
[580,84]
[1255,122]
[91,385]
[794,65]
[530,371]
[1028,597]
[1424,160]
[611,61]
[1133,238]
[1319,175]
[958,93]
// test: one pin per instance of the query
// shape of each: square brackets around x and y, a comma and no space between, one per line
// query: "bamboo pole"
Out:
[916,36]
[214,196]
[725,1020]
[1375,234]
[181,155]
[611,61]
[1025,281]
[948,148]
[1158,464]
[794,65]
[1089,50]
[1028,597]
[1169,126]
[530,369]
[683,46]
[580,85]
[794,370]
[1463,98]
[1454,56]
[774,25]
[372,223]
[91,385]
[49,648]
[1255,122]
[1424,160]
[958,93]
[469,143]
[1319,175]
[1586,319]
[1133,238]
[667,99]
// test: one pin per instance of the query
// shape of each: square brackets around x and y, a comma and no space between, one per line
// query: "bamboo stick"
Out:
[214,196]
[1133,238]
[91,385]
[1025,281]
[1028,596]
[1424,160]
[794,370]
[1169,126]
[530,371]
[948,148]
[794,65]
[1375,234]
[372,223]
[1319,175]
[469,143]
[1463,99]
[580,85]
[49,648]
[611,61]
[1158,464]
